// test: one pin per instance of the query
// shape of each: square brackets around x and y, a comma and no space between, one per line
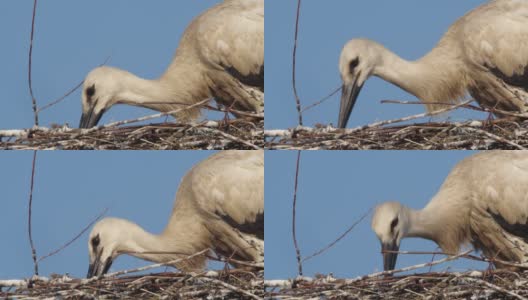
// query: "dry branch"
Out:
[473,135]
[232,284]
[217,135]
[498,284]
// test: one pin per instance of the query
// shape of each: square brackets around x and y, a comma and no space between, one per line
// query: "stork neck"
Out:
[435,77]
[149,246]
[444,226]
[421,224]
[150,93]
[172,91]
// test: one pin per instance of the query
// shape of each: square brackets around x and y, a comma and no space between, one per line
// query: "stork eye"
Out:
[393,224]
[353,64]
[95,242]
[90,91]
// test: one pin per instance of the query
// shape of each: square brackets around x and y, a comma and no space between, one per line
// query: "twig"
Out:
[233,138]
[339,238]
[30,59]
[294,232]
[145,118]
[74,238]
[238,112]
[472,107]
[297,100]
[30,233]
[410,268]
[61,98]
[497,138]
[232,287]
[149,267]
[497,288]
[52,103]
[322,100]
[405,119]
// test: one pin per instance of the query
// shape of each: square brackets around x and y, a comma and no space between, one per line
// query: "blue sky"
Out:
[335,189]
[71,38]
[409,28]
[71,189]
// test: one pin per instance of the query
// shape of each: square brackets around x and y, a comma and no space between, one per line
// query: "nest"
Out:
[210,135]
[498,284]
[230,284]
[474,135]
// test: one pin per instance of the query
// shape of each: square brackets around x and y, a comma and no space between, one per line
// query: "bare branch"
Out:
[30,232]
[294,232]
[149,267]
[339,238]
[74,238]
[145,118]
[30,59]
[61,98]
[322,100]
[297,100]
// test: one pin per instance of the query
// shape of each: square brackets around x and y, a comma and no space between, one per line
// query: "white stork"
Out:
[484,53]
[483,201]
[220,55]
[219,205]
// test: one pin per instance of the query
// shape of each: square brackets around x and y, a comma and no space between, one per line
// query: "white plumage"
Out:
[483,201]
[219,205]
[220,55]
[484,53]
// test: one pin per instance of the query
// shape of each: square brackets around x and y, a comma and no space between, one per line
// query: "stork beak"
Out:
[97,268]
[349,94]
[389,258]
[90,118]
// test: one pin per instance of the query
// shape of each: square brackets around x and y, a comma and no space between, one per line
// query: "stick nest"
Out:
[210,135]
[474,135]
[232,284]
[499,284]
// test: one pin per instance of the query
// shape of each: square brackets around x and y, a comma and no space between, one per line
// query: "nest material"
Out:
[233,284]
[474,135]
[210,135]
[474,285]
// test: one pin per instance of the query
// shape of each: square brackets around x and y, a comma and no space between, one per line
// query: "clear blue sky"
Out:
[71,38]
[409,28]
[71,189]
[335,189]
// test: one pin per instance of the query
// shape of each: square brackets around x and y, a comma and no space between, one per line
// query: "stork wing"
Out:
[503,191]
[231,36]
[495,37]
[230,185]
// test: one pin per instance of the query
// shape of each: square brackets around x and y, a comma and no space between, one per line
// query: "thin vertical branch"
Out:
[34,101]
[33,251]
[297,100]
[294,232]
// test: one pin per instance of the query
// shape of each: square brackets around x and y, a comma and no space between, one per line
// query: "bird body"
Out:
[220,55]
[219,205]
[483,54]
[483,202]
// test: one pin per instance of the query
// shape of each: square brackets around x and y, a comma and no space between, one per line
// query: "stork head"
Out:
[108,240]
[358,61]
[100,91]
[390,223]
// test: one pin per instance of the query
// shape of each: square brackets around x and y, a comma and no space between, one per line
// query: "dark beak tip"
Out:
[349,95]
[91,118]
